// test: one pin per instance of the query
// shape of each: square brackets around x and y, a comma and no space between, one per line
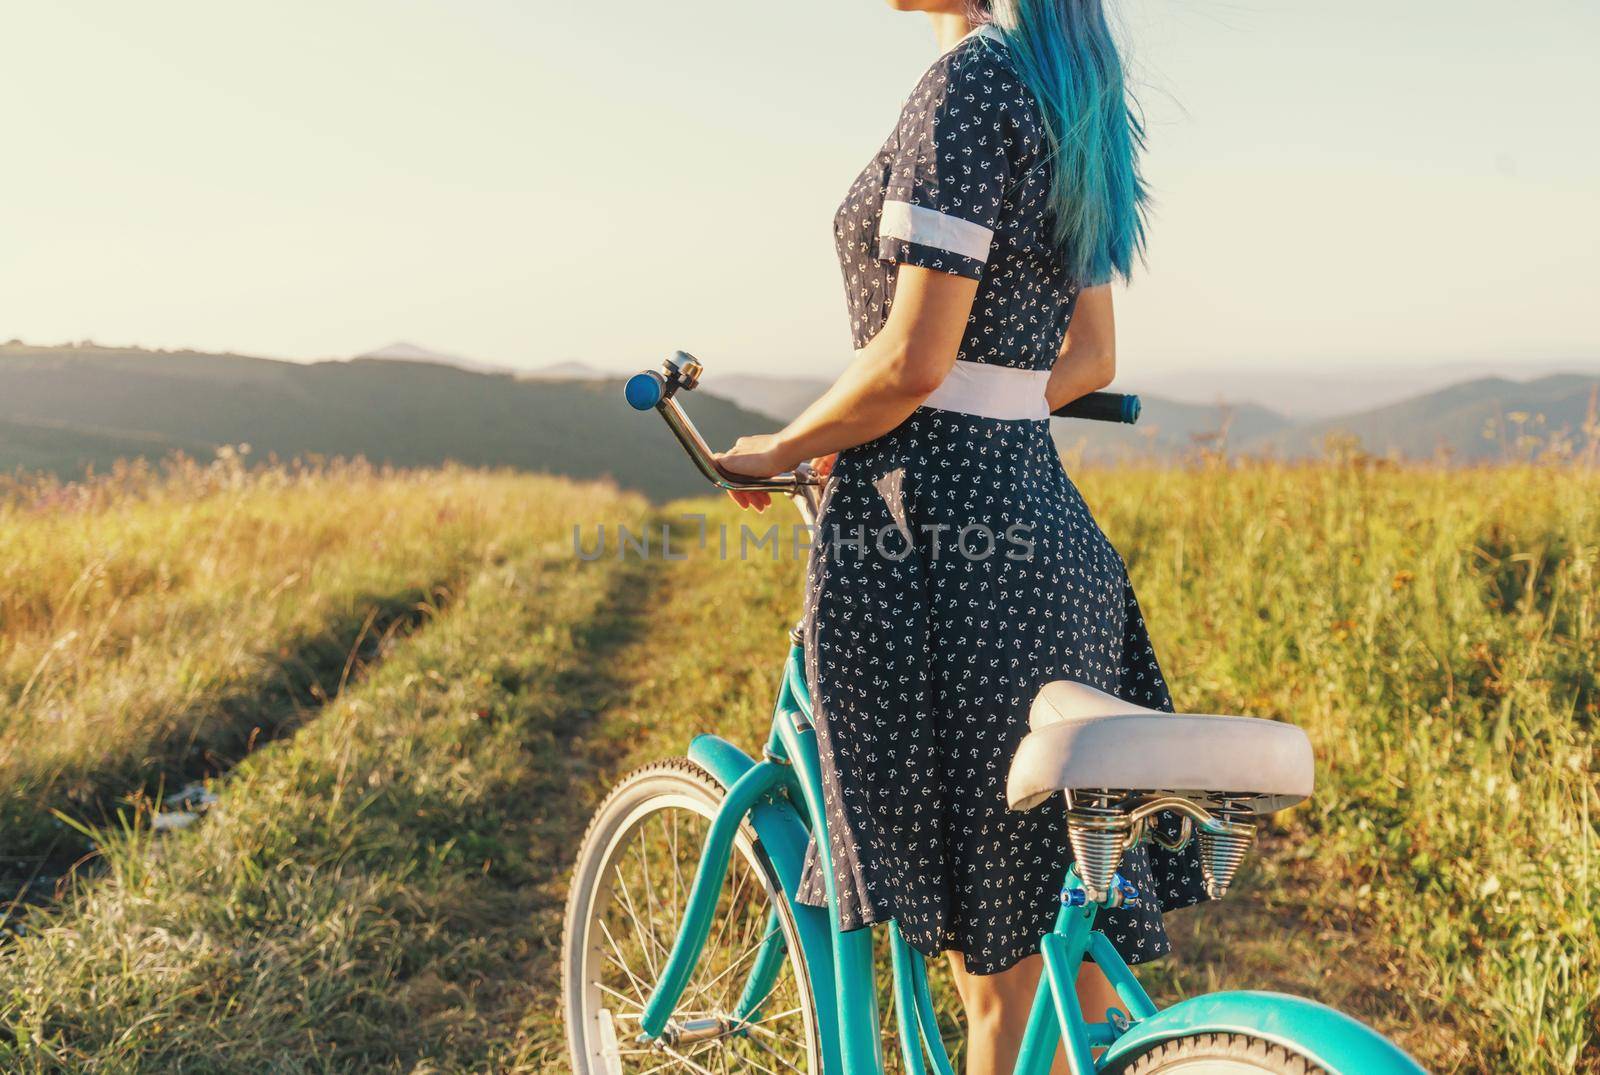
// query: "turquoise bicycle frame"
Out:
[781,797]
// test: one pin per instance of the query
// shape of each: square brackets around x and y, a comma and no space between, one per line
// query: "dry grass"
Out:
[1435,632]
[152,631]
[382,889]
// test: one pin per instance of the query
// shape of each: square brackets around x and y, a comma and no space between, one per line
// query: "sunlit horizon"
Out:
[1339,188]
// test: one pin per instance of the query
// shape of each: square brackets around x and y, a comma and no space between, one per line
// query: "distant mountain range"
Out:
[1480,420]
[410,352]
[1306,392]
[565,371]
[65,409]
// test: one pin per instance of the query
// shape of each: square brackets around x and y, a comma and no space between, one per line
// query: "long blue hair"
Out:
[1065,53]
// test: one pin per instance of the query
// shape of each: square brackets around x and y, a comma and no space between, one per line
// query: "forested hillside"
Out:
[65,410]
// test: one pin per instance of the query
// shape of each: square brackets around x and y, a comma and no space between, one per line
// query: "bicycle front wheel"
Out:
[748,1007]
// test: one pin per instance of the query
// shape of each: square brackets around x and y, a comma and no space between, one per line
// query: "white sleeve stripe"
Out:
[927,227]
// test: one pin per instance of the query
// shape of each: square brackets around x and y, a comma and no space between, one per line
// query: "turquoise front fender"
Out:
[784,838]
[1339,1043]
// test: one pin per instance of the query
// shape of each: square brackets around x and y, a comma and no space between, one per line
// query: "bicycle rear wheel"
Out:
[1219,1054]
[748,1007]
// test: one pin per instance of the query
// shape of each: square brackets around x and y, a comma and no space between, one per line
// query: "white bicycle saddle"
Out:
[1083,738]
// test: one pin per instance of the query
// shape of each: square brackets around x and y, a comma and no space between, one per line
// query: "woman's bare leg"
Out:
[997,1007]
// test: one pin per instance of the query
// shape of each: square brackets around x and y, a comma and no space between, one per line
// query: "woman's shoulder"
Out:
[977,83]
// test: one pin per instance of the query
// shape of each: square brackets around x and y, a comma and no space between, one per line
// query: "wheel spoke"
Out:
[670,1051]
[774,1035]
[659,1067]
[747,1060]
[743,957]
[731,967]
[770,1018]
[649,889]
[753,922]
[639,987]
[636,921]
[677,880]
[758,1043]
[608,991]
[722,932]
[771,989]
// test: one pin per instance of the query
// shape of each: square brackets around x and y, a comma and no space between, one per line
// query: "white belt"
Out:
[987,391]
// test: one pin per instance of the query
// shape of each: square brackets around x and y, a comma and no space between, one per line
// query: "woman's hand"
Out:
[755,457]
[821,467]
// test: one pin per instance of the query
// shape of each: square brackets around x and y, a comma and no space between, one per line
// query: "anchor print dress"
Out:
[923,653]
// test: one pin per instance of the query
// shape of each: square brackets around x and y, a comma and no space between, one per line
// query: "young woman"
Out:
[956,569]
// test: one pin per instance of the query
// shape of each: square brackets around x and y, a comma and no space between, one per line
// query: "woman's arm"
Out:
[1088,359]
[890,377]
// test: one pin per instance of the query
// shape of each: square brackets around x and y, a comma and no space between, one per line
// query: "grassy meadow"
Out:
[407,693]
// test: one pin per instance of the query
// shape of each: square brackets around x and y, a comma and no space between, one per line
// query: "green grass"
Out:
[382,889]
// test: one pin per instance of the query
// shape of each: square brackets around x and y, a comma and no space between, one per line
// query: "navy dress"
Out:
[956,569]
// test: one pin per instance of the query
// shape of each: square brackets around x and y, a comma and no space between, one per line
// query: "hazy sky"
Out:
[1358,183]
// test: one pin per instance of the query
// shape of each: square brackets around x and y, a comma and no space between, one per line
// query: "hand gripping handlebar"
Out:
[658,389]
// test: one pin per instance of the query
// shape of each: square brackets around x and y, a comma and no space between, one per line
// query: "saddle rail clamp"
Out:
[686,948]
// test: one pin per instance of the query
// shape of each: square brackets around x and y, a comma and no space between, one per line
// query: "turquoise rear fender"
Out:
[1339,1043]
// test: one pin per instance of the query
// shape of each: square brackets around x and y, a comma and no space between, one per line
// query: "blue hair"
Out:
[1064,51]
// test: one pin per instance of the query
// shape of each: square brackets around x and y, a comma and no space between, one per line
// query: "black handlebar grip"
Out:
[1102,407]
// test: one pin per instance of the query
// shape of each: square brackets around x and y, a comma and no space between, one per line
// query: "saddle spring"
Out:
[1101,829]
[1100,835]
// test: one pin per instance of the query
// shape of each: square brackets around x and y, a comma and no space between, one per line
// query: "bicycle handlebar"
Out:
[654,390]
[1102,407]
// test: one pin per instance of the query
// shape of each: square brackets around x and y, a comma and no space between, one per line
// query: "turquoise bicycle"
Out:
[685,950]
